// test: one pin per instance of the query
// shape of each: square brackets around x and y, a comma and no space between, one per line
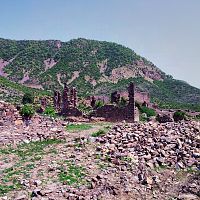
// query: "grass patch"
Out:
[26,154]
[71,174]
[78,127]
[32,149]
[101,132]
[7,188]
[98,133]
[160,168]
[181,174]
[102,165]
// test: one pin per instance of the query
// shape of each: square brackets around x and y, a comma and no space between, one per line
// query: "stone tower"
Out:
[131,105]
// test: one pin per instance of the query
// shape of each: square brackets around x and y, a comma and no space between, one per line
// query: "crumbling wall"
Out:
[113,113]
[66,104]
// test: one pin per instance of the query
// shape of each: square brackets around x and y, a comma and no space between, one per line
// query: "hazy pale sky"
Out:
[166,32]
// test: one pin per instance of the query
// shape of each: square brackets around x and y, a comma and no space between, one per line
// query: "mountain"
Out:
[94,67]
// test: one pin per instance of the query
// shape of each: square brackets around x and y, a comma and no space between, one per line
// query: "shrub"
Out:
[28,98]
[179,115]
[198,117]
[99,133]
[123,102]
[84,108]
[99,104]
[27,111]
[149,111]
[50,111]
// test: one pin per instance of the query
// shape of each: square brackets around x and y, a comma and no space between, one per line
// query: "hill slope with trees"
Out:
[94,67]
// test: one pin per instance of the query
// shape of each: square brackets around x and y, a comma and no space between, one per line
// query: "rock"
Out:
[188,197]
[36,193]
[1,122]
[4,198]
[46,192]
[21,197]
[149,180]
[37,182]
[54,129]
[150,164]
[18,122]
[180,164]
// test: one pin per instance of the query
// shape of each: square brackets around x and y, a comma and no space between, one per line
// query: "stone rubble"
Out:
[14,130]
[131,159]
[171,144]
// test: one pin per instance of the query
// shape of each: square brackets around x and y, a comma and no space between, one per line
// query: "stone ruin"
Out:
[115,97]
[113,112]
[66,103]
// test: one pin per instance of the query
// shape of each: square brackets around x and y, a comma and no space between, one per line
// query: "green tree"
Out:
[28,98]
[27,111]
[50,111]
[179,115]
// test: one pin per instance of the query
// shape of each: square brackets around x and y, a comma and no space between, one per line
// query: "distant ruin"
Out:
[114,112]
[65,104]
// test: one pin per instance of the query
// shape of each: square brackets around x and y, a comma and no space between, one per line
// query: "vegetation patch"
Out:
[27,111]
[50,111]
[27,156]
[99,133]
[72,174]
[149,111]
[179,115]
[78,127]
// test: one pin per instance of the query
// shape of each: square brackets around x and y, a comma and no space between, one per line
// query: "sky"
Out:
[166,32]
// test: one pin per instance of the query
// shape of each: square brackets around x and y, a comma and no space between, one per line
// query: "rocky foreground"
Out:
[131,161]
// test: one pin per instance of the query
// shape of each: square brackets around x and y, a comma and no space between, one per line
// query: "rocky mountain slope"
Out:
[94,67]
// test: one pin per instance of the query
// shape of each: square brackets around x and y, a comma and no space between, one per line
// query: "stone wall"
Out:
[66,103]
[114,113]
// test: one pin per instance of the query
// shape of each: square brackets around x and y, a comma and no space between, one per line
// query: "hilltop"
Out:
[94,67]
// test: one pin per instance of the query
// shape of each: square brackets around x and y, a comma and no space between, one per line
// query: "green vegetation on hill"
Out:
[13,92]
[85,58]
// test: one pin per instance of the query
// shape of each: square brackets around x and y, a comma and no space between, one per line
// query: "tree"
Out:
[27,111]
[28,98]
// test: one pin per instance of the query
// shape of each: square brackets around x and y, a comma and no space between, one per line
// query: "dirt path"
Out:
[87,133]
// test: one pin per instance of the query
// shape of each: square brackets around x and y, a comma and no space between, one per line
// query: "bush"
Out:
[84,108]
[27,111]
[99,104]
[50,111]
[179,115]
[149,111]
[99,133]
[28,98]
[123,102]
[198,117]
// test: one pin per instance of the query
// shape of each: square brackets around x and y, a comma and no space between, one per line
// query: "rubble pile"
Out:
[8,113]
[171,144]
[14,130]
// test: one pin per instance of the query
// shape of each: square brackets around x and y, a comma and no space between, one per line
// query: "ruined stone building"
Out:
[113,112]
[66,103]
